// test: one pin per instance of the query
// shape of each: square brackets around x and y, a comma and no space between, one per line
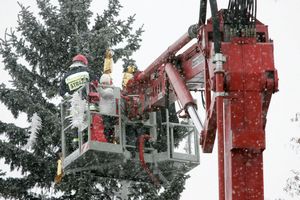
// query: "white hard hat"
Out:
[105,79]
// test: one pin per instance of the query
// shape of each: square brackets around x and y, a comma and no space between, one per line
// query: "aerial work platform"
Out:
[121,156]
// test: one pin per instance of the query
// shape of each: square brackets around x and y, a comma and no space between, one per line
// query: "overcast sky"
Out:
[164,22]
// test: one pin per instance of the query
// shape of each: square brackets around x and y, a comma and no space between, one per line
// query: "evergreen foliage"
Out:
[36,55]
[293,182]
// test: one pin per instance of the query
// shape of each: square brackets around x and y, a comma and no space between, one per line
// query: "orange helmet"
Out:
[80,58]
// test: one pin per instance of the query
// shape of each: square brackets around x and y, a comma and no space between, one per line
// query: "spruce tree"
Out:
[36,55]
[292,186]
[293,182]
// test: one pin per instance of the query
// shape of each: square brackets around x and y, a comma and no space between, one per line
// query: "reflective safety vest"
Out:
[77,80]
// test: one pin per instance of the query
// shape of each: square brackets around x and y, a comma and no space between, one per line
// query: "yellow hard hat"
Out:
[108,62]
[131,69]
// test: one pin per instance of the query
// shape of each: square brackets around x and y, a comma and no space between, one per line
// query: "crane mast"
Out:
[233,62]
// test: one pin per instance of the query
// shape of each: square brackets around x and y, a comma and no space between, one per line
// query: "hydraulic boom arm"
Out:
[233,63]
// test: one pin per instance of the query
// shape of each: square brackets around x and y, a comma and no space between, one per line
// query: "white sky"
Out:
[164,22]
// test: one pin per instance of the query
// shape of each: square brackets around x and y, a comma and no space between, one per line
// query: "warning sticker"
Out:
[197,61]
[77,80]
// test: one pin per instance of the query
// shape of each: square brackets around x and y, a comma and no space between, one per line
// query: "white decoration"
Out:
[107,102]
[78,111]
[36,124]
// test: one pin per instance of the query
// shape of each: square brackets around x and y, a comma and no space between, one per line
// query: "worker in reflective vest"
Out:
[72,81]
[77,76]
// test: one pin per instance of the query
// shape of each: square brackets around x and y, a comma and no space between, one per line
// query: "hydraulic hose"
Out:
[219,103]
[241,16]
[216,26]
[202,12]
[142,139]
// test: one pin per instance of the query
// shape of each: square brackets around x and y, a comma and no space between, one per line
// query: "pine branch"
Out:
[15,188]
[14,134]
[30,28]
[176,187]
[20,73]
[109,15]
[20,101]
[38,167]
[48,12]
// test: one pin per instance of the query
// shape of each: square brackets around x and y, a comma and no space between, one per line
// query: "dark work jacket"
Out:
[75,79]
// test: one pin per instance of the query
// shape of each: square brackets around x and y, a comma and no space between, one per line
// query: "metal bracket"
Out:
[219,69]
[219,57]
[218,60]
[221,94]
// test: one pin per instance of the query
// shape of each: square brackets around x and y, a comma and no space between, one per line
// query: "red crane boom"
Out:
[239,79]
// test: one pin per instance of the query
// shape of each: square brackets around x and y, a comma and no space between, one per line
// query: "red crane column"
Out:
[249,79]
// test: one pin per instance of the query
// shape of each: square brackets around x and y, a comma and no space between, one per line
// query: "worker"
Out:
[107,105]
[107,95]
[128,74]
[77,76]
[108,61]
[72,81]
[59,171]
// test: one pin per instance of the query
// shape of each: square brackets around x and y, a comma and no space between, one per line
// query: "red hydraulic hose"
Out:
[219,74]
[220,123]
[142,139]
